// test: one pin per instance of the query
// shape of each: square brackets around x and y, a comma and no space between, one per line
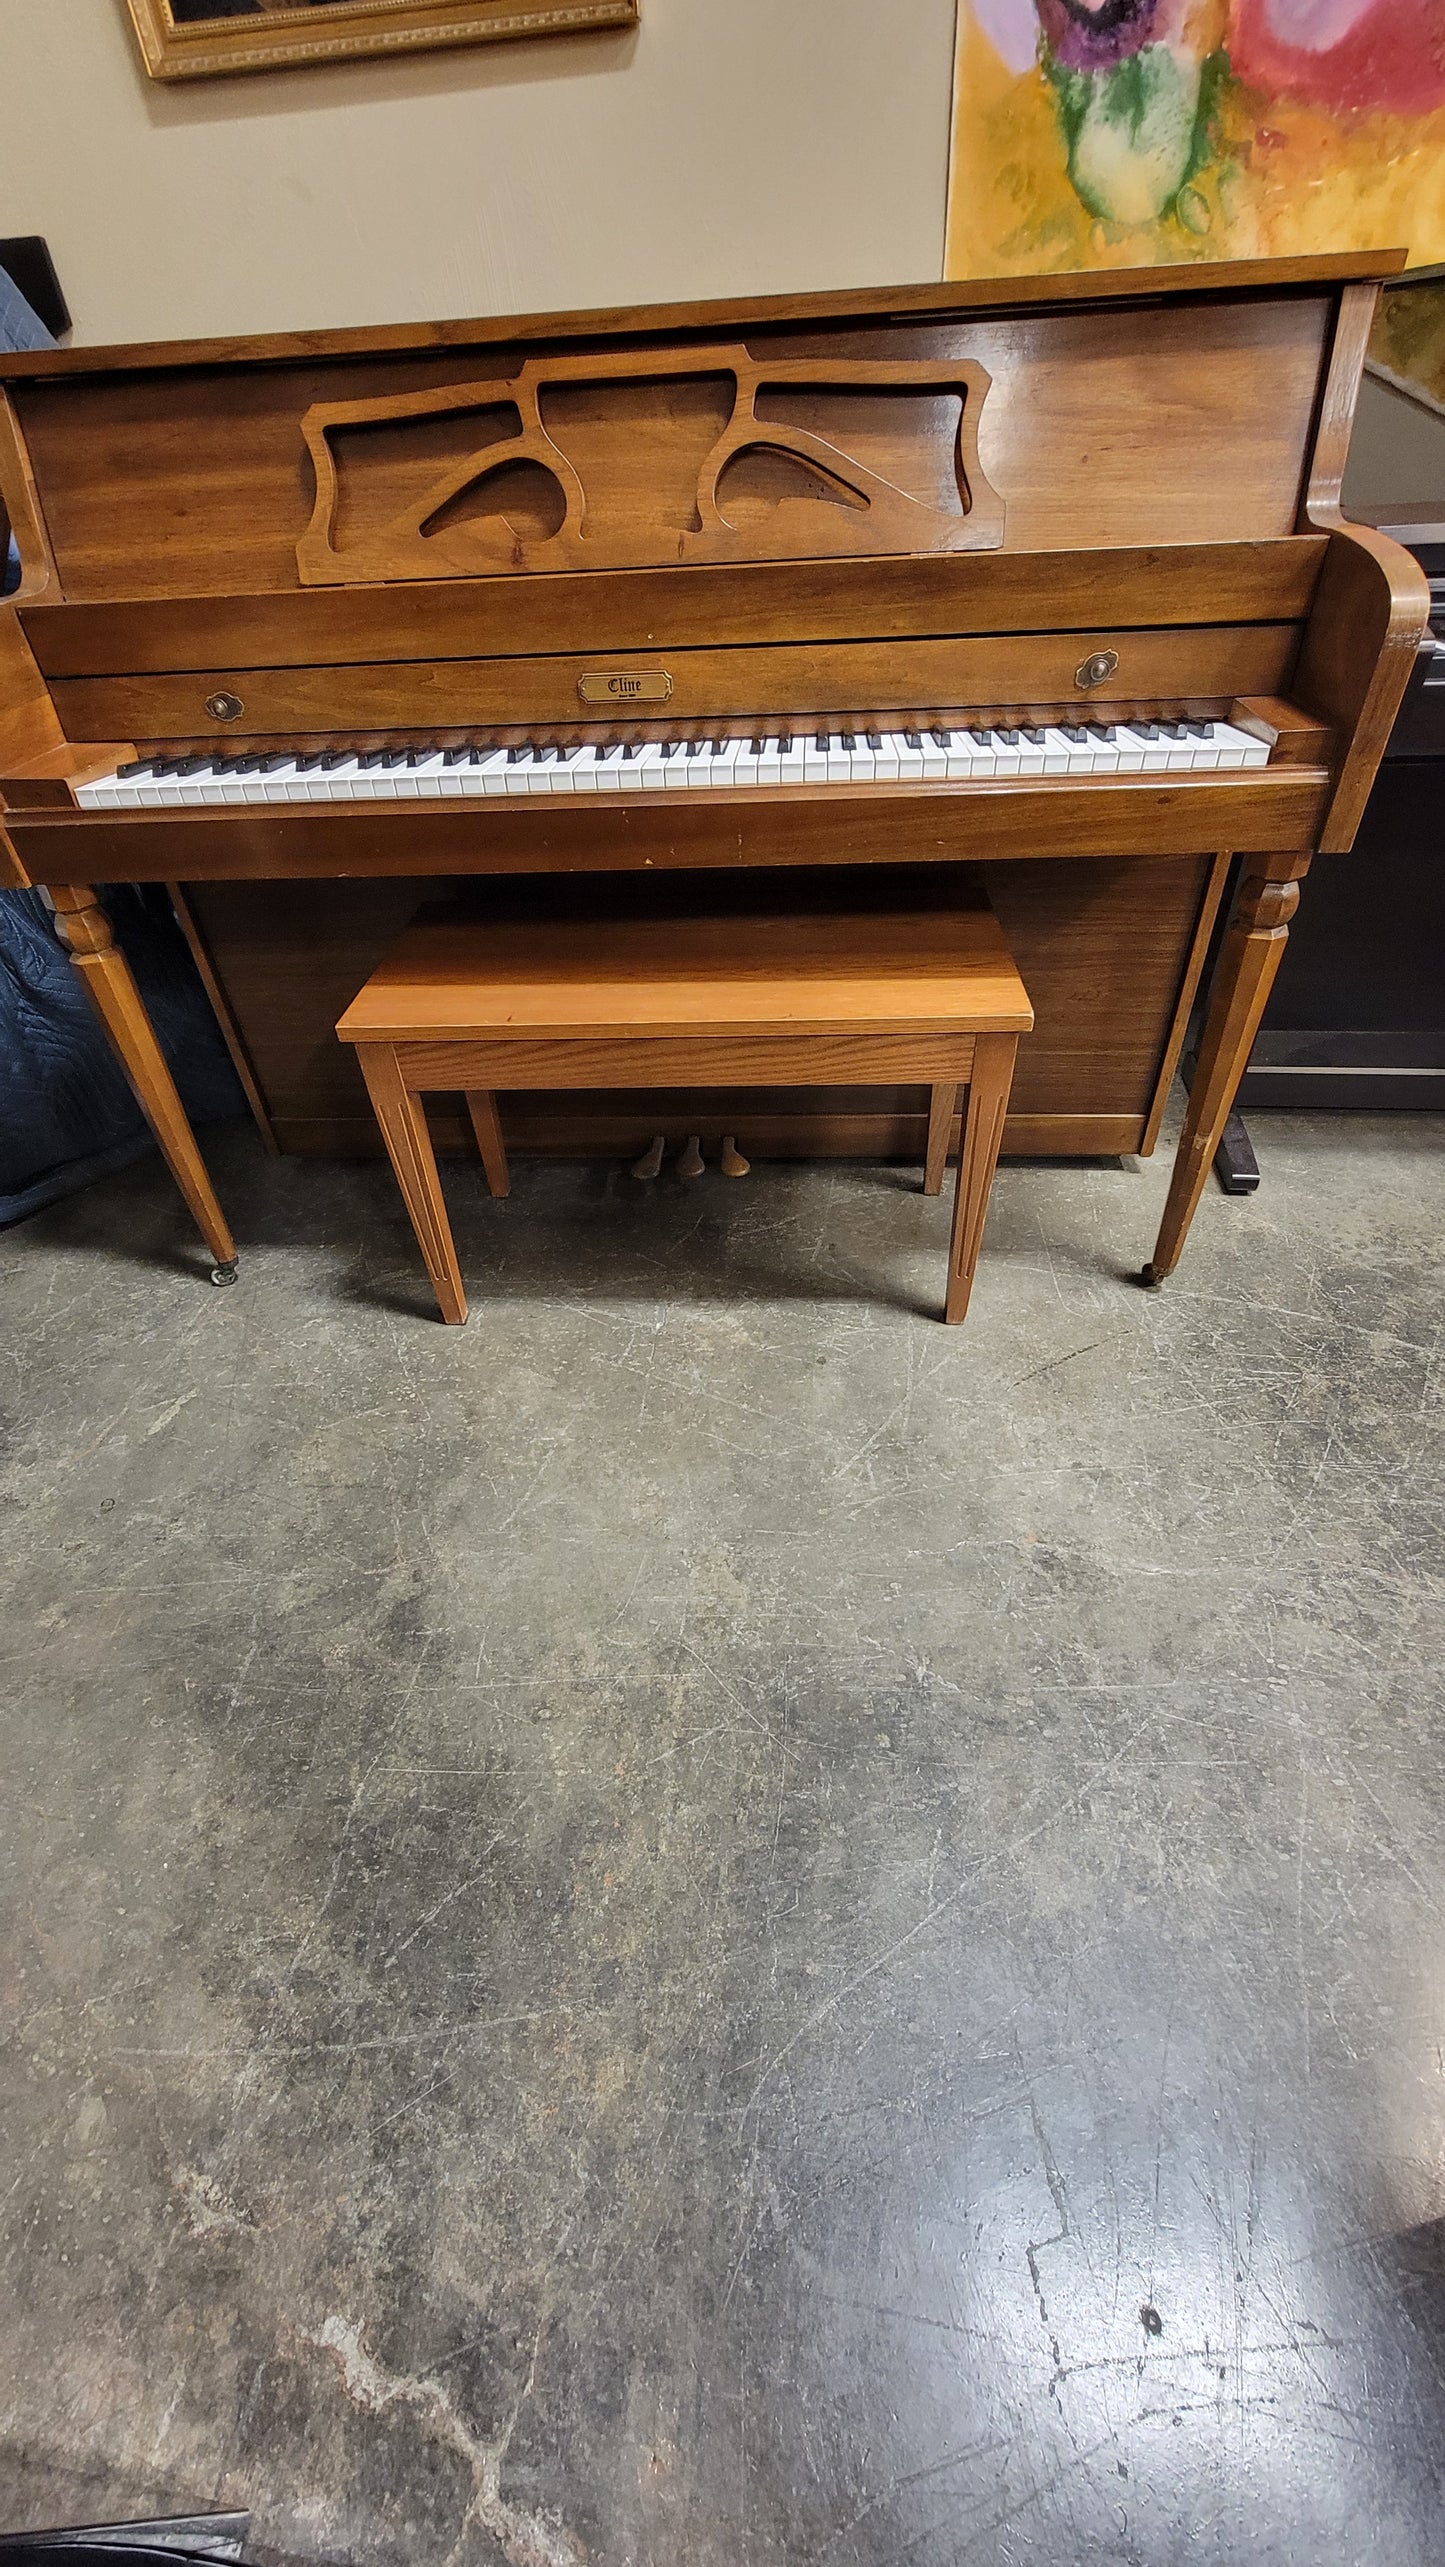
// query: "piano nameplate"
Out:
[624,686]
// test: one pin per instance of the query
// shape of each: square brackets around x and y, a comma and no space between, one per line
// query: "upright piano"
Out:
[1041,580]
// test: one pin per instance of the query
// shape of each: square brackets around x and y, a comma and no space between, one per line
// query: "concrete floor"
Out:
[705,1926]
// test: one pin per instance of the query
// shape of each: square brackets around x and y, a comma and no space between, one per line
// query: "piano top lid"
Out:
[976,294]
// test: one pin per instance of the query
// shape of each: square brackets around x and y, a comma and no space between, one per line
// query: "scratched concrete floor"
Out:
[703,1926]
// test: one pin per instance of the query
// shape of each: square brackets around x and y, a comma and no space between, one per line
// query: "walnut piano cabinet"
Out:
[973,520]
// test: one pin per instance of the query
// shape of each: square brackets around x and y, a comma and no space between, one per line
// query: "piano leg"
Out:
[1251,955]
[112,992]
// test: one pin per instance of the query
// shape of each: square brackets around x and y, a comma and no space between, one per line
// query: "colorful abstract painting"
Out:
[1121,133]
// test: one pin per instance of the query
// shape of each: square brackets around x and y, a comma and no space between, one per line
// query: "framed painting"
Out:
[1129,133]
[197,39]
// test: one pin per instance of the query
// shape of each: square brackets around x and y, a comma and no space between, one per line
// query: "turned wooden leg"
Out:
[111,989]
[1249,958]
[408,1142]
[486,1123]
[941,1104]
[984,1109]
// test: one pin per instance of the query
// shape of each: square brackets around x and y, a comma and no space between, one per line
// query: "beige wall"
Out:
[725,146]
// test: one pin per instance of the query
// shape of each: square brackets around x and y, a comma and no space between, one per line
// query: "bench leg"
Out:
[941,1104]
[486,1123]
[984,1109]
[408,1142]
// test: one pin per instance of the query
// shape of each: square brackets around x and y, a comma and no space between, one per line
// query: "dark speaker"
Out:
[28,264]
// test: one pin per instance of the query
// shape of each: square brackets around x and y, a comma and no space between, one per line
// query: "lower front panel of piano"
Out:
[1104,947]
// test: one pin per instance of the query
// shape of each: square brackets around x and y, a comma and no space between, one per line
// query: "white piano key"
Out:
[909,756]
[1065,757]
[1240,748]
[971,755]
[1147,756]
[1207,751]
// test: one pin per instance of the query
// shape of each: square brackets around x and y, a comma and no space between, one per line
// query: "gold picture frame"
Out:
[199,39]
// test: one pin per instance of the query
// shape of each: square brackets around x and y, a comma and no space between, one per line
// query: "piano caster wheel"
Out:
[692,1163]
[225,1274]
[732,1162]
[1148,1278]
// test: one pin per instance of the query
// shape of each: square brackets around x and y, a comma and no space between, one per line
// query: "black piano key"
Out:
[393,757]
[1075,734]
[372,758]
[334,758]
[979,739]
[1198,730]
[1035,739]
[546,754]
[670,748]
[519,755]
[565,756]
[458,757]
[419,757]
[1172,730]
[874,739]
[911,740]
[136,766]
[189,766]
[273,759]
[308,765]
[848,740]
[1145,730]
[1011,739]
[696,748]
[1101,730]
[785,744]
[250,765]
[629,748]
[721,745]
[821,744]
[942,739]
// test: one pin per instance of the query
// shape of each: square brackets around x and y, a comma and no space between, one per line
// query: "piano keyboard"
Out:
[936,756]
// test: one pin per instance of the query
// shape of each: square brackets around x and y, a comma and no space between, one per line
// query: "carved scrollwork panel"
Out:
[579,463]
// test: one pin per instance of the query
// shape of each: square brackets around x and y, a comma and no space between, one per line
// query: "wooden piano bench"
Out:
[822,1000]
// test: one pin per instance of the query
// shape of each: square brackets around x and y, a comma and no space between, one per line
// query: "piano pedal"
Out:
[692,1163]
[650,1163]
[732,1162]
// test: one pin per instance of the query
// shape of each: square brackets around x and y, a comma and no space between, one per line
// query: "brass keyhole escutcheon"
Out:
[1094,670]
[225,708]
